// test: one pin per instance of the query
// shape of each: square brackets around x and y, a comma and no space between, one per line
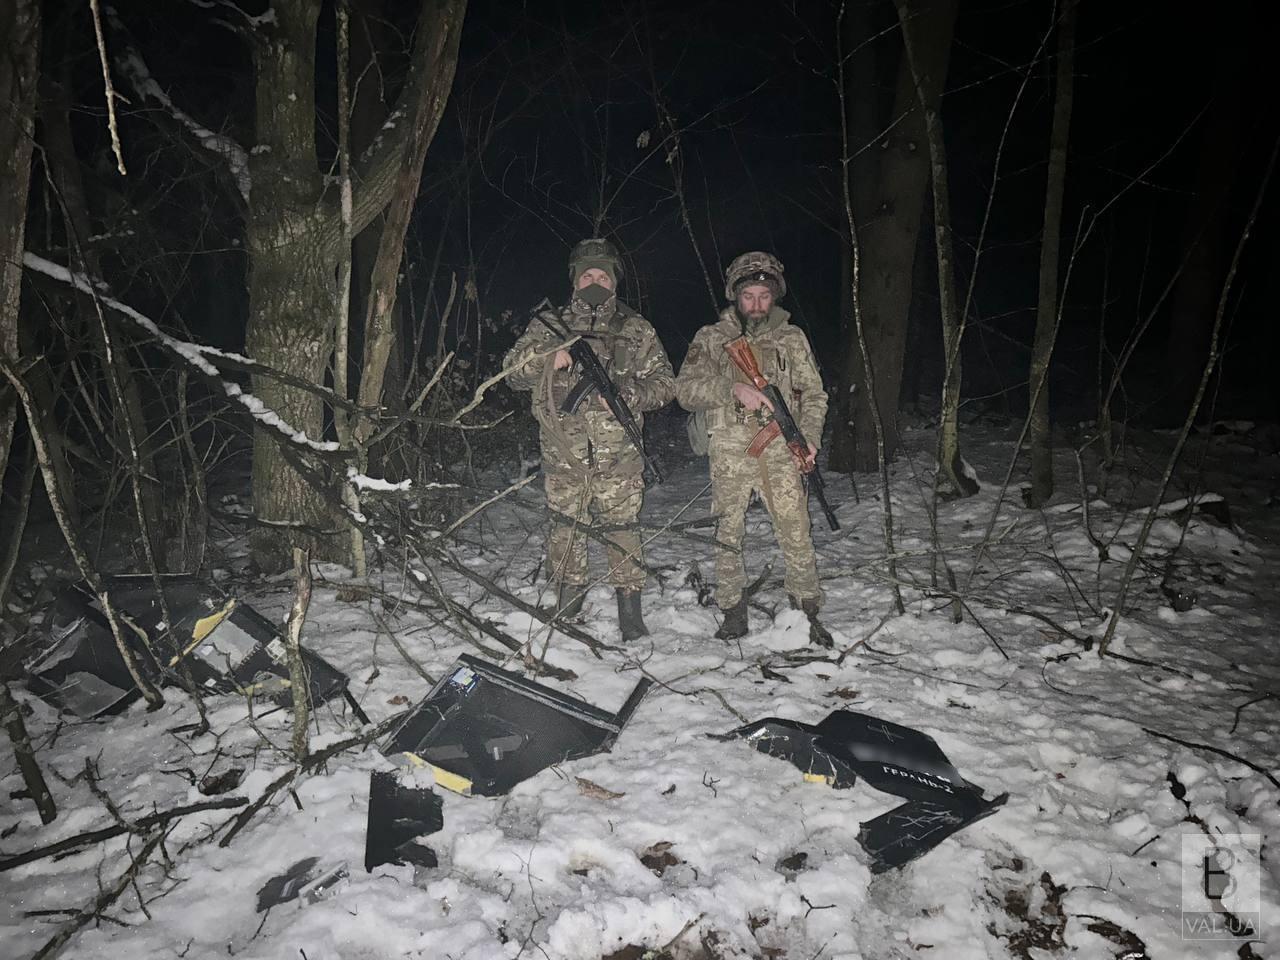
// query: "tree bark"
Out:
[1047,307]
[294,240]
[299,689]
[888,237]
[930,76]
[19,63]
[32,778]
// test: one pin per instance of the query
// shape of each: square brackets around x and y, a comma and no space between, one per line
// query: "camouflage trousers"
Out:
[734,476]
[613,502]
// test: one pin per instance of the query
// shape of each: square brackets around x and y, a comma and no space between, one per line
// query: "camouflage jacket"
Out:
[707,376]
[630,350]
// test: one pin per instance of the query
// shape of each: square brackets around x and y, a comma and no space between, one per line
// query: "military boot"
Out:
[818,634]
[629,618]
[569,598]
[735,622]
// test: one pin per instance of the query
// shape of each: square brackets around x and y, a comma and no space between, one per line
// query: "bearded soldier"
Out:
[735,412]
[590,468]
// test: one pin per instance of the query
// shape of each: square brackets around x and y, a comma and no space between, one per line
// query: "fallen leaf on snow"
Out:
[589,789]
[659,856]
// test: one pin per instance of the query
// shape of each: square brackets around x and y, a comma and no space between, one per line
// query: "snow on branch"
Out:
[364,482]
[265,18]
[131,64]
[194,353]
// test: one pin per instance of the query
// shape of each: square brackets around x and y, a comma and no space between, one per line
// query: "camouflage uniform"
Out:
[706,383]
[589,466]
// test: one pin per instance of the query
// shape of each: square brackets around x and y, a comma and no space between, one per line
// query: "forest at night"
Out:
[393,564]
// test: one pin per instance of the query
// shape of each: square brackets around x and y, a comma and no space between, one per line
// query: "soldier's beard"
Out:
[750,320]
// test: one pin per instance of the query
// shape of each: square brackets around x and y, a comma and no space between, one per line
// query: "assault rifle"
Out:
[783,423]
[595,379]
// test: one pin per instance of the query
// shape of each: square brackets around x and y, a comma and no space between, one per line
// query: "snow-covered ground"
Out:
[1085,859]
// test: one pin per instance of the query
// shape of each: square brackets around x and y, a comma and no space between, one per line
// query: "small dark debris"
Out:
[216,784]
[792,865]
[1175,786]
[1181,596]
[308,880]
[634,951]
[659,857]
[8,832]
[772,674]
[1217,510]
[669,791]
[844,693]
[1130,944]
[756,922]
[1039,930]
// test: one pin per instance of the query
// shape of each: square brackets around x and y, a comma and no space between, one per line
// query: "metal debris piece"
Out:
[482,730]
[889,757]
[228,646]
[307,881]
[398,815]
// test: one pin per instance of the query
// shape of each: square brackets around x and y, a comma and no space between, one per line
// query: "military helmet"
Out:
[754,267]
[594,252]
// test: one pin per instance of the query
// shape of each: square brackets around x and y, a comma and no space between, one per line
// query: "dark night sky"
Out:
[750,86]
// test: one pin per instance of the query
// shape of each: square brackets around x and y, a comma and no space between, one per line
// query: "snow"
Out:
[550,871]
[363,482]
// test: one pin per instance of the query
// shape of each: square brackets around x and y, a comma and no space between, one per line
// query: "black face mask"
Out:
[594,295]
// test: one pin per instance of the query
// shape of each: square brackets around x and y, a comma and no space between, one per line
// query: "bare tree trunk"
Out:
[380,315]
[1047,307]
[888,237]
[346,425]
[294,242]
[860,334]
[19,65]
[930,75]
[32,778]
[299,688]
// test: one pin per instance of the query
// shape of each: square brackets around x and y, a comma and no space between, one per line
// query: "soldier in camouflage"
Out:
[735,411]
[589,467]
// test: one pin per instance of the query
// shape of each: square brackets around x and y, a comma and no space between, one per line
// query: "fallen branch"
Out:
[106,833]
[313,762]
[1219,751]
[104,899]
[1248,703]
[25,755]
